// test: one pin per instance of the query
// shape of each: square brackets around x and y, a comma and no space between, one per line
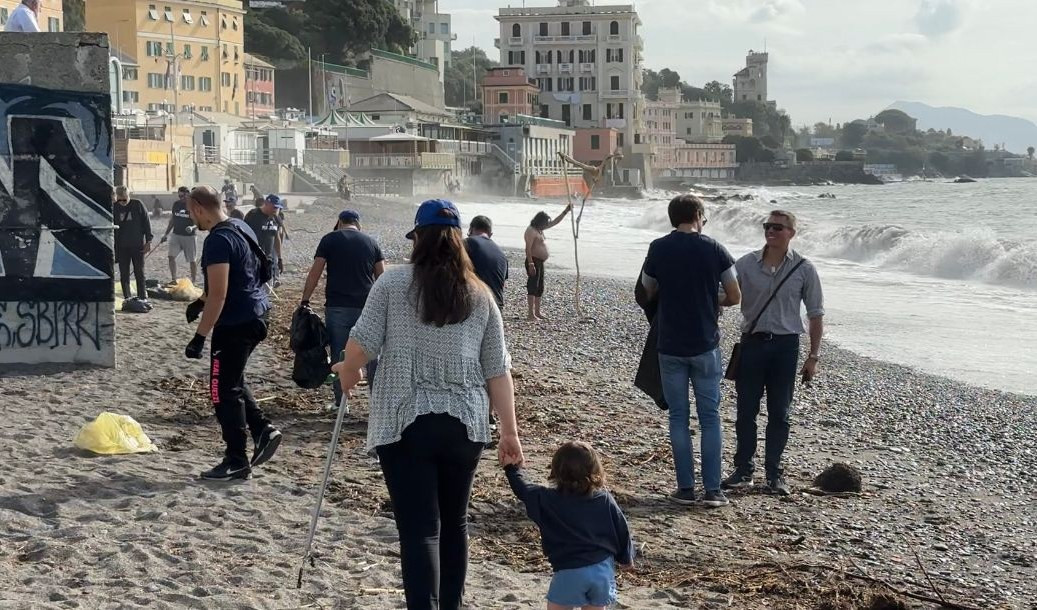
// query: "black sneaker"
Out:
[685,497]
[778,486]
[737,480]
[228,470]
[714,499]
[266,445]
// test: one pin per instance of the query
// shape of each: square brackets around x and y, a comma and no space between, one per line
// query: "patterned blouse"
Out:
[424,369]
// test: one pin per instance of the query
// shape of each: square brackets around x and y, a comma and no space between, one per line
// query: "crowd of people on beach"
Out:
[429,339]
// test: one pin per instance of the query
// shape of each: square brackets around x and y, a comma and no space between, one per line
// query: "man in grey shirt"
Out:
[770,350]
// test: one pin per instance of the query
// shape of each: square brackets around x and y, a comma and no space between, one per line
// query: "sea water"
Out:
[932,275]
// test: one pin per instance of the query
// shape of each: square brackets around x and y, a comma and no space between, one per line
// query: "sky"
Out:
[832,60]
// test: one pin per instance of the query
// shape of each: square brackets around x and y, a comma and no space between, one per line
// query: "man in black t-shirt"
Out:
[132,240]
[685,269]
[183,240]
[234,309]
[353,261]
[265,222]
[488,259]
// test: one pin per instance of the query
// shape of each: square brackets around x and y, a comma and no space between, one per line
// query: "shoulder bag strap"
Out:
[756,321]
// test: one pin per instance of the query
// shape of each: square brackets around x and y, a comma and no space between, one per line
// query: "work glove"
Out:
[194,348]
[194,310]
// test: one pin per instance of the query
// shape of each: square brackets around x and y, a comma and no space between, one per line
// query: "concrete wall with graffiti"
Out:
[56,262]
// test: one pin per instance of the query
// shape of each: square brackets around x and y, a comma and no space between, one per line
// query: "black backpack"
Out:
[266,264]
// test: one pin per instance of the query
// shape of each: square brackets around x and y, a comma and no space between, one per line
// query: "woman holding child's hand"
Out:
[442,364]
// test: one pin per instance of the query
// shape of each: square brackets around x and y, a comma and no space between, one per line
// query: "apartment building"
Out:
[685,138]
[434,30]
[50,19]
[586,61]
[259,87]
[189,54]
[508,92]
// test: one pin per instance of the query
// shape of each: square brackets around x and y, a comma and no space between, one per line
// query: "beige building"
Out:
[685,139]
[50,18]
[189,54]
[750,83]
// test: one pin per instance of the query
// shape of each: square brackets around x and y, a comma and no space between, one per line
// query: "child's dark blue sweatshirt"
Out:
[577,531]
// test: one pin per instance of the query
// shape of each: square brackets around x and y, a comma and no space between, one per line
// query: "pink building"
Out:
[508,92]
[259,87]
[593,144]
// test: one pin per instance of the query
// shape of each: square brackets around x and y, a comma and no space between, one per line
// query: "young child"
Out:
[584,532]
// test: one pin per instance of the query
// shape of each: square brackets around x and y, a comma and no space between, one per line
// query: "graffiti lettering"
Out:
[51,324]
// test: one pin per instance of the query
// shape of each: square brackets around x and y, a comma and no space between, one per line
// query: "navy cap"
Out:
[349,216]
[275,200]
[436,212]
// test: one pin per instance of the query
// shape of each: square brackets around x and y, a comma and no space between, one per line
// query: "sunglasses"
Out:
[774,226]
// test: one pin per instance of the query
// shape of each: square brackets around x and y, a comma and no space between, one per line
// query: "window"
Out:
[620,140]
[588,83]
[156,81]
[545,112]
[53,24]
[559,55]
[167,12]
[588,112]
[234,23]
[543,29]
[431,28]
[588,56]
[3,15]
[586,28]
[595,142]
[566,84]
[187,83]
[614,83]
[153,49]
[565,28]
[205,18]
[205,53]
[613,56]
[204,83]
[444,28]
[689,131]
[545,84]
[237,56]
[614,28]
[223,22]
[169,49]
[152,12]
[502,97]
[130,97]
[225,54]
[225,79]
[187,51]
[129,73]
[187,16]
[516,31]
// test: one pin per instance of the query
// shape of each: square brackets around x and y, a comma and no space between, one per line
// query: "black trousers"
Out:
[236,408]
[126,256]
[765,366]
[429,473]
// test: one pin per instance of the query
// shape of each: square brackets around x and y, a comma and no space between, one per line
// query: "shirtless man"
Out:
[536,256]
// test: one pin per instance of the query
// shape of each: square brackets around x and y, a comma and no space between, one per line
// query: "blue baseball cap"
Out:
[436,212]
[349,216]
[275,200]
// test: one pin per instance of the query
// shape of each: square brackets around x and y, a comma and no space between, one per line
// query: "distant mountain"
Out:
[1015,133]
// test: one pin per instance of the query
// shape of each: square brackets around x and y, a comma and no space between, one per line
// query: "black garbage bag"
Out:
[309,341]
[136,305]
[649,377]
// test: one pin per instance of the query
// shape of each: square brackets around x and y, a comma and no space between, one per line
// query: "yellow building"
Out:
[189,54]
[50,18]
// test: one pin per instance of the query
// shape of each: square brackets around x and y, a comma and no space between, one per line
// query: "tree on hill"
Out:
[844,155]
[804,155]
[718,92]
[1029,152]
[666,78]
[853,134]
[459,87]
[895,121]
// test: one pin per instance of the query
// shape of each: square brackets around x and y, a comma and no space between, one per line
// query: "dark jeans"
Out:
[126,256]
[766,365]
[236,408]
[429,474]
[340,321]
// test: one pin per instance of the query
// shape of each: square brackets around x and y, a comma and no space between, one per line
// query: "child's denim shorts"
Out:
[593,585]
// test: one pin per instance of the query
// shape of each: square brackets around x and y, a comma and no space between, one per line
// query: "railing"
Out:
[505,158]
[405,161]
[543,68]
[437,160]
[565,68]
[616,93]
[586,67]
[463,147]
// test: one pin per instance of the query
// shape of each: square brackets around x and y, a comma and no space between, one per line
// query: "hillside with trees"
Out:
[460,88]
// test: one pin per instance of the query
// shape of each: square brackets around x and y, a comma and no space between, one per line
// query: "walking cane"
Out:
[343,407]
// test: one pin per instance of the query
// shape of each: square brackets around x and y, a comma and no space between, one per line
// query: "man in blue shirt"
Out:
[353,261]
[491,265]
[234,310]
[686,269]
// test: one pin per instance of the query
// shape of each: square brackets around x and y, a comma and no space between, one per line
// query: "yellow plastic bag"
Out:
[183,290]
[112,434]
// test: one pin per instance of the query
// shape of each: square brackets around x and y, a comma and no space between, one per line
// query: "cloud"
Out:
[754,11]
[772,10]
[937,18]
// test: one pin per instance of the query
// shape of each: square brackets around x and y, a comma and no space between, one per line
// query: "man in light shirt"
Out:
[24,17]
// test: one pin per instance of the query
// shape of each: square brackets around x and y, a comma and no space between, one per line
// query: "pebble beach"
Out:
[946,511]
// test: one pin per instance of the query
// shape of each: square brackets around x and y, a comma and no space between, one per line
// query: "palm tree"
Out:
[785,122]
[1029,152]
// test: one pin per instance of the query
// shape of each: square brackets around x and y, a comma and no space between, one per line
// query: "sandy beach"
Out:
[947,507]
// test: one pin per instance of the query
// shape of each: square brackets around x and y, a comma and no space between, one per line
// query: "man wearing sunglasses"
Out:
[770,349]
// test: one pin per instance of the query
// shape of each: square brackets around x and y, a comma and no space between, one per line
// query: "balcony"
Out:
[616,123]
[586,67]
[612,94]
[543,68]
[615,38]
[586,38]
[496,43]
[515,41]
[565,68]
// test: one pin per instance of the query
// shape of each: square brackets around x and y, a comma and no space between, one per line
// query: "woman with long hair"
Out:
[443,363]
